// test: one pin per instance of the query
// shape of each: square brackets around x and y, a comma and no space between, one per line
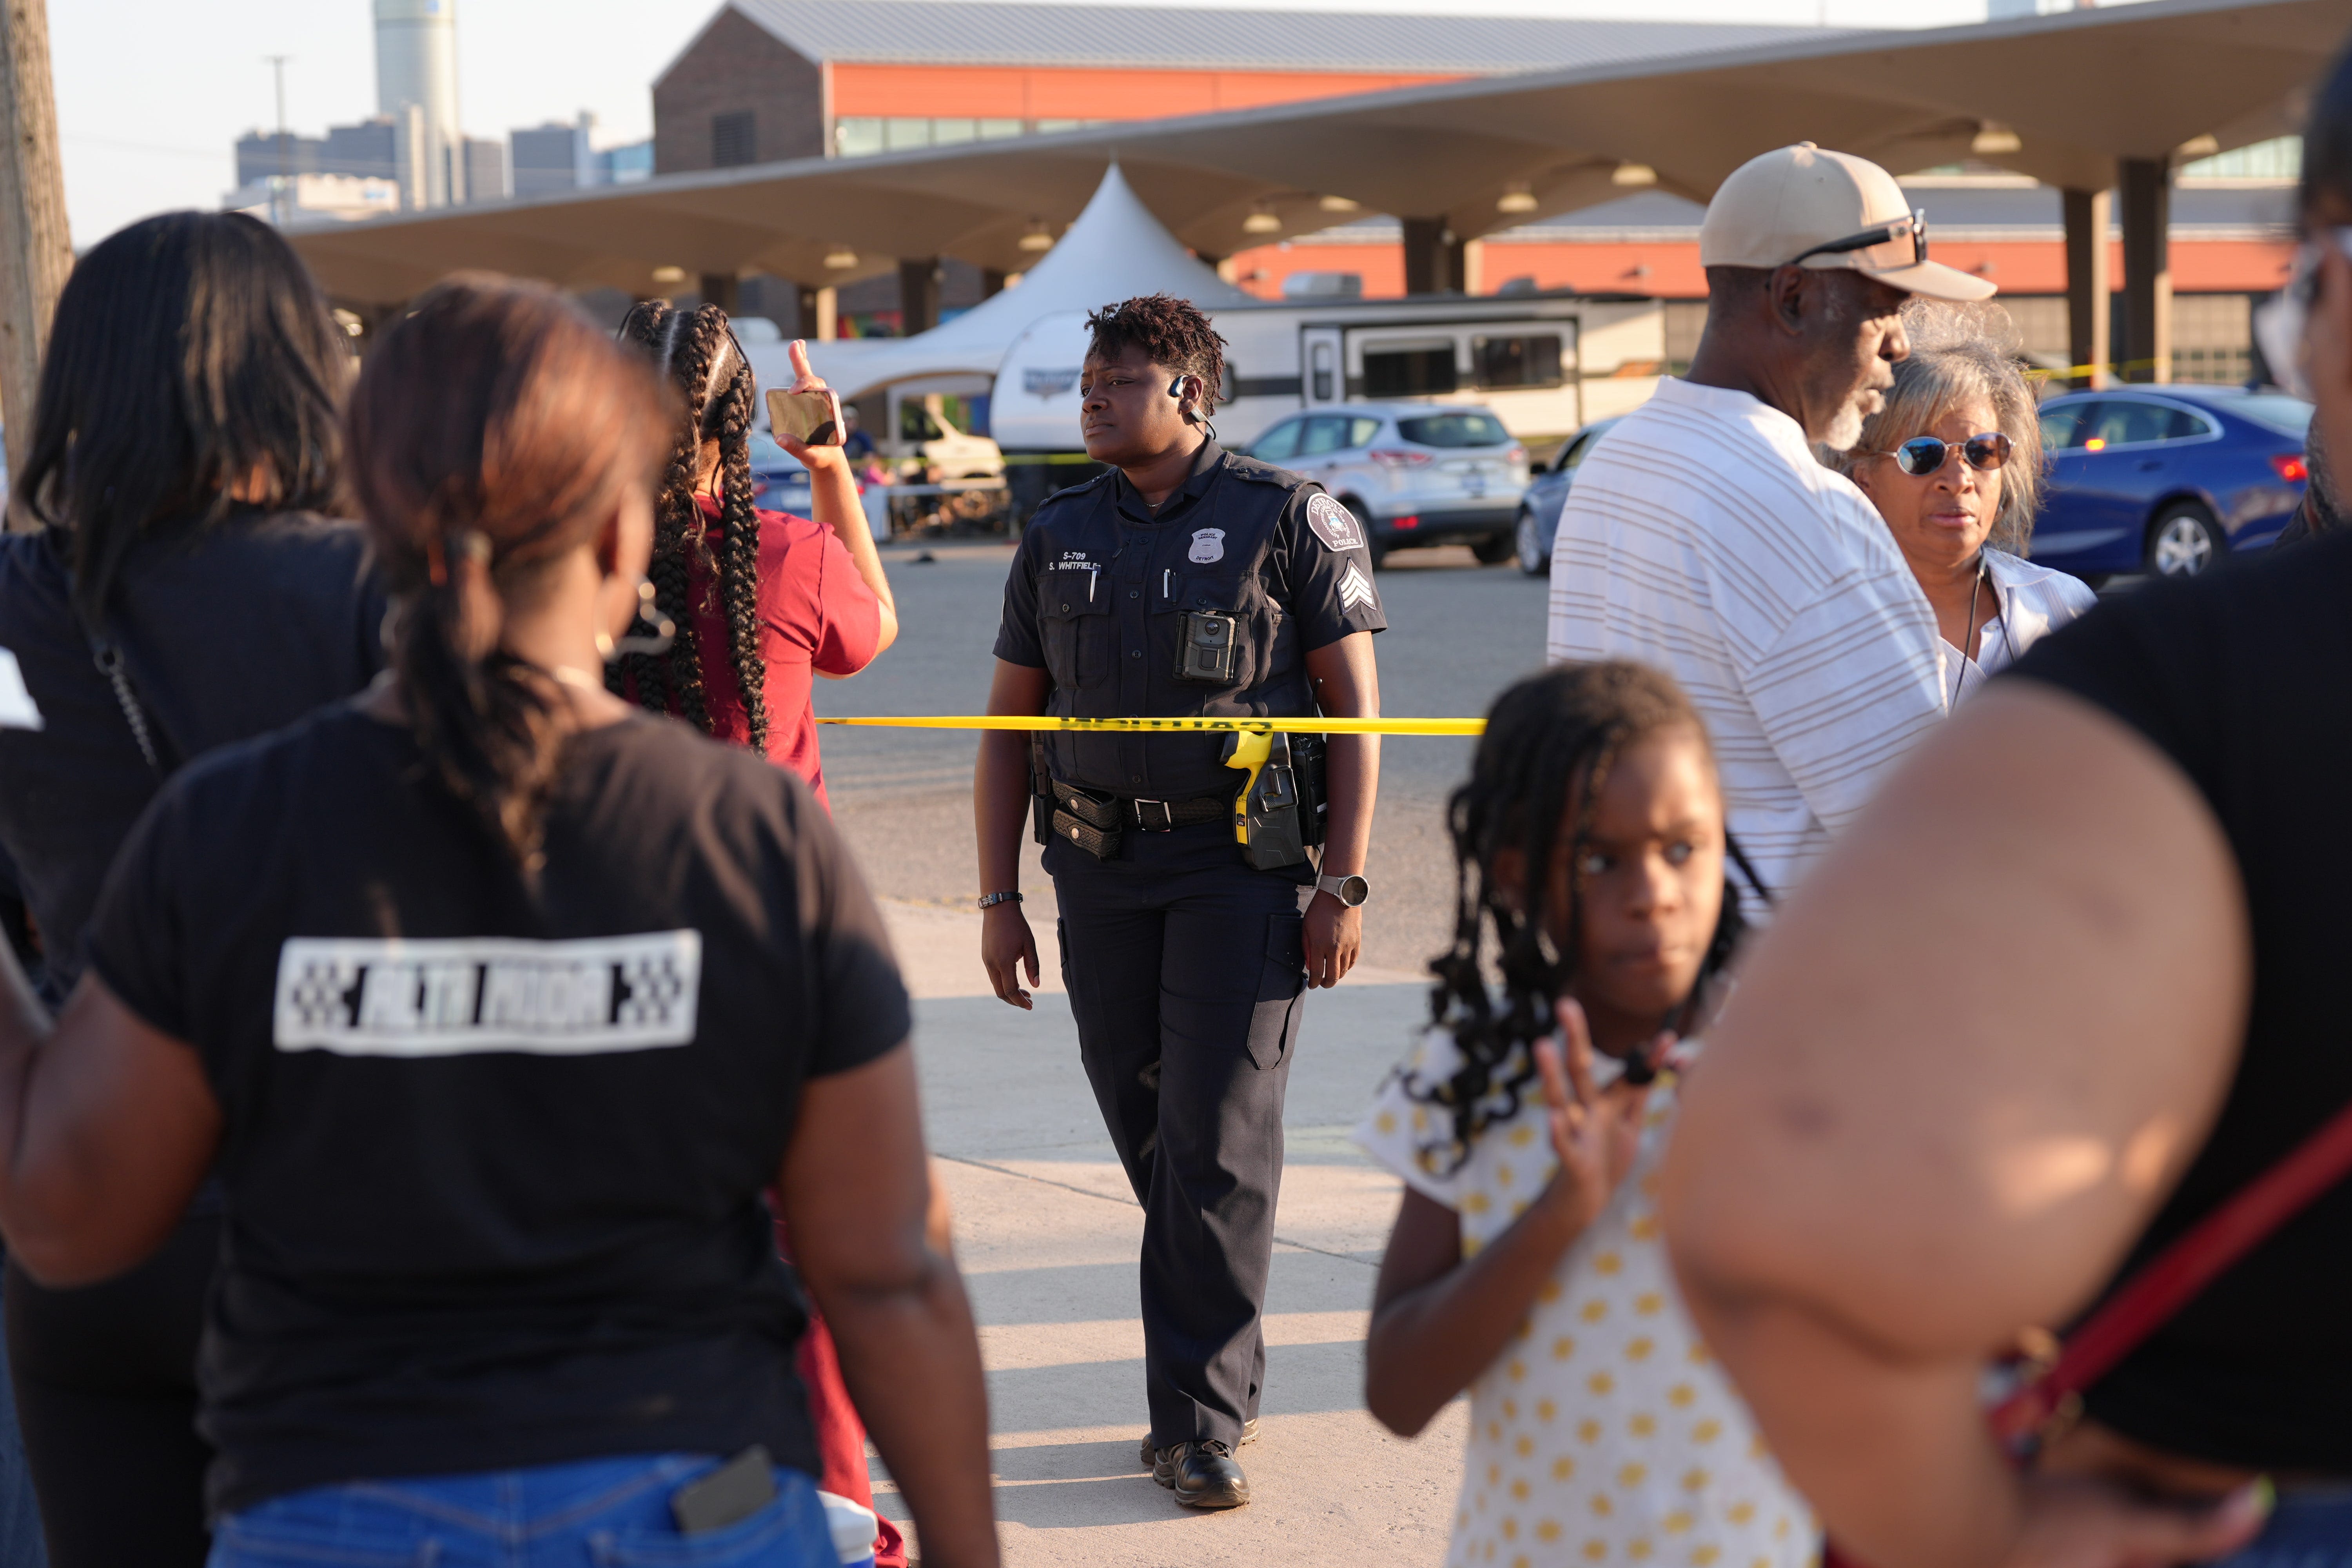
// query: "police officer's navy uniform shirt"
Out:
[1096,596]
[494,1163]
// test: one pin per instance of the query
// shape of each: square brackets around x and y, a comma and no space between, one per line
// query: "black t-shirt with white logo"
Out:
[494,1163]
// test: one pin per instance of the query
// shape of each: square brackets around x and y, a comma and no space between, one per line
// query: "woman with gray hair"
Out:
[1953,462]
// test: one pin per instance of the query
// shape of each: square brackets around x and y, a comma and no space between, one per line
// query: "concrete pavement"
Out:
[1048,1234]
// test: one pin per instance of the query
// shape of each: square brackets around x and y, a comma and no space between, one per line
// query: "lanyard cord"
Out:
[1961,679]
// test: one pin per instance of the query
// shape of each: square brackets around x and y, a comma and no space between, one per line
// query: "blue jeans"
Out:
[2311,1529]
[594,1513]
[20,1514]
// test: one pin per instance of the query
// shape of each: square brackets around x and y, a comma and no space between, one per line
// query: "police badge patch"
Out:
[1334,524]
[1208,544]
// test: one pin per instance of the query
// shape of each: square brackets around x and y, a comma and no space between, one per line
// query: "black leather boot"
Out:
[1202,1475]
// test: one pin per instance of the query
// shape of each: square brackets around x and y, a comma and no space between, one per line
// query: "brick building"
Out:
[771,80]
[767,80]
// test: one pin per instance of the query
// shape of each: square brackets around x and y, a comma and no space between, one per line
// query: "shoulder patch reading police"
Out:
[361,996]
[1334,524]
[1356,589]
[1208,544]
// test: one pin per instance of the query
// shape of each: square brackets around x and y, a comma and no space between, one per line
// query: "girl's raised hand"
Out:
[1595,1133]
[805,379]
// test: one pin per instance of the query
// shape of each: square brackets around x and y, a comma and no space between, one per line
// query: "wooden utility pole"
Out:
[36,250]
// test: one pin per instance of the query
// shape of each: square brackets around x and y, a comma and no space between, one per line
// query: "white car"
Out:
[926,432]
[1415,473]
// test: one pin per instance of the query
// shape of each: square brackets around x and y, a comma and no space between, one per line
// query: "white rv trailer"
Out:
[1546,363]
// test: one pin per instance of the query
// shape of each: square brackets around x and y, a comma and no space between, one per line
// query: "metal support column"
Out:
[918,294]
[814,314]
[723,289]
[2090,284]
[2148,269]
[1433,256]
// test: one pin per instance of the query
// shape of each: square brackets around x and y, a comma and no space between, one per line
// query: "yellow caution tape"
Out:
[1246,725]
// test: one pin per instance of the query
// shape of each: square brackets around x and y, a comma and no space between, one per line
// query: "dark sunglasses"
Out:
[1924,455]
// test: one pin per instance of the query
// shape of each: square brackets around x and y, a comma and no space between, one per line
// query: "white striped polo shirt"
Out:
[1703,537]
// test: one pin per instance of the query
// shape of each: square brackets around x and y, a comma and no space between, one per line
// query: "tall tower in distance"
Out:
[416,69]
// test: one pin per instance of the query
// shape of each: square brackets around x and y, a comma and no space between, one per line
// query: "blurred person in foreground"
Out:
[186,442]
[2322,511]
[498,1004]
[770,600]
[1706,538]
[1953,463]
[1898,1159]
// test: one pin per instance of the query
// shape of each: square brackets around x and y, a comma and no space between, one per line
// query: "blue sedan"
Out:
[1546,492]
[2165,479]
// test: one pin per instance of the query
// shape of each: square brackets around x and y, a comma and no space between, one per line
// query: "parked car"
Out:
[1415,473]
[2165,479]
[779,483]
[1540,509]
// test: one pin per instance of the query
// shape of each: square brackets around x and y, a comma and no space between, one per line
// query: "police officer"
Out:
[1185,581]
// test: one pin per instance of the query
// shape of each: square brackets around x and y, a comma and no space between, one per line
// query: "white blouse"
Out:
[1605,1433]
[2028,603]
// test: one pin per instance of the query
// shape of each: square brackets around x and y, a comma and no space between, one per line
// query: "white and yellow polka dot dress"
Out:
[1605,1433]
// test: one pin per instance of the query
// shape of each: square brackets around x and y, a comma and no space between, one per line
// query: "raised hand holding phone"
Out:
[1595,1133]
[806,416]
[805,419]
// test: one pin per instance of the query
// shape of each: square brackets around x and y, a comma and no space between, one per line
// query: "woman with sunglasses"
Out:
[1953,462]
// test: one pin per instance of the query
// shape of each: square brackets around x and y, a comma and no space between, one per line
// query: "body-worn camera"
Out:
[1209,651]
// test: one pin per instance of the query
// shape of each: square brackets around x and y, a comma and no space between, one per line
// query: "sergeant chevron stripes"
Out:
[1356,589]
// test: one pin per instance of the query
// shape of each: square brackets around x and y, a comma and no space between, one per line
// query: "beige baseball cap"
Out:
[1803,205]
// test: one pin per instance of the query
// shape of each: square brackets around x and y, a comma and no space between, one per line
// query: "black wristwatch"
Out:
[1350,890]
[990,900]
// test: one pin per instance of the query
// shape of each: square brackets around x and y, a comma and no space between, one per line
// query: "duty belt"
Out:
[1111,813]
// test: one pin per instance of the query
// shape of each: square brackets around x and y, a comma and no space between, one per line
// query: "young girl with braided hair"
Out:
[1526,1263]
[764,601]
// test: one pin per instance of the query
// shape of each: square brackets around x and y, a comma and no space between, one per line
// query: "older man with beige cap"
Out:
[1704,537]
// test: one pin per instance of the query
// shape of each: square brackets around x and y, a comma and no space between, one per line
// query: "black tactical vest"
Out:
[1113,585]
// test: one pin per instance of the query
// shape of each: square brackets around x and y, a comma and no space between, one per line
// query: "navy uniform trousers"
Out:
[1187,986]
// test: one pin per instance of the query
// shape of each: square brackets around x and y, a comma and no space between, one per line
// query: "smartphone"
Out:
[728,1495]
[813,418]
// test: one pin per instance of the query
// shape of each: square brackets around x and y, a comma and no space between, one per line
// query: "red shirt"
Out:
[816,614]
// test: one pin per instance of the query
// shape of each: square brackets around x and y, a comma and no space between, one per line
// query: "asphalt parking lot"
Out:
[1458,634]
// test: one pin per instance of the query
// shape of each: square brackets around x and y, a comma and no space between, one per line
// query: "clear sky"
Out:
[152,93]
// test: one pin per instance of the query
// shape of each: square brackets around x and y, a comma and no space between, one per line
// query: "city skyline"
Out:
[153,128]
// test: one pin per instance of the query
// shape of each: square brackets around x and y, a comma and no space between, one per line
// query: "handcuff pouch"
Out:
[1091,821]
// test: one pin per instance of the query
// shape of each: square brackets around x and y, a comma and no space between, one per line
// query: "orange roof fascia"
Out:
[1043,92]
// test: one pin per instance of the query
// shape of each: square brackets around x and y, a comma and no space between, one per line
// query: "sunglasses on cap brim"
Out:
[1924,455]
[1902,242]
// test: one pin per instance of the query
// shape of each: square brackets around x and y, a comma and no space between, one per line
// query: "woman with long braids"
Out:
[498,1006]
[1526,1264]
[768,600]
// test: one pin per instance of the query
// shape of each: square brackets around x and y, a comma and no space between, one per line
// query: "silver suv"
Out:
[1416,473]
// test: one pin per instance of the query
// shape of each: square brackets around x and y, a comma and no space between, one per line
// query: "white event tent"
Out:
[1116,249]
